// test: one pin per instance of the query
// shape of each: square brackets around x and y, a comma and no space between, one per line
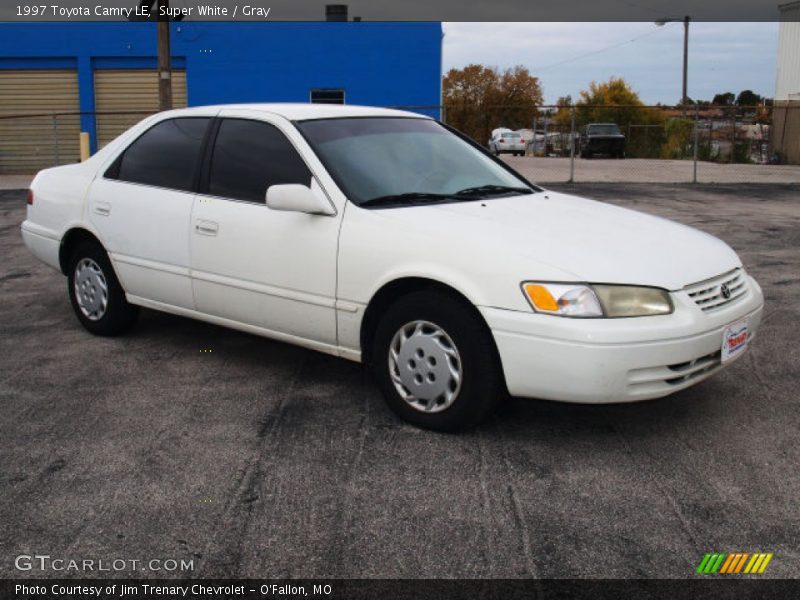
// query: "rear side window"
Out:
[250,156]
[166,155]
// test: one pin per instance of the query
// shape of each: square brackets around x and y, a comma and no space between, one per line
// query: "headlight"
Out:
[630,301]
[582,300]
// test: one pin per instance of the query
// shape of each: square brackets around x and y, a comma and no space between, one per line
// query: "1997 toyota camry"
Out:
[385,237]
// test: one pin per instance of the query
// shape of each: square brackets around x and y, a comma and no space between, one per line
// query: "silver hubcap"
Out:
[425,366]
[91,289]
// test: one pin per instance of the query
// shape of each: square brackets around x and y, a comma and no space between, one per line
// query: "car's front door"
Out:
[270,269]
[141,208]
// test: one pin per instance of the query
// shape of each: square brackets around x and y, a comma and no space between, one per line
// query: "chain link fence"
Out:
[29,143]
[654,144]
[661,144]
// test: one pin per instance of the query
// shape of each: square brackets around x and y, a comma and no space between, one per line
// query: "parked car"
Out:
[388,238]
[507,142]
[602,138]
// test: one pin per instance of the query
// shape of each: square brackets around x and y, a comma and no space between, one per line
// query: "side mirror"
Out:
[294,197]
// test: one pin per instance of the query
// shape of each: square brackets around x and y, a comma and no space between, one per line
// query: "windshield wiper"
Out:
[427,197]
[407,198]
[489,190]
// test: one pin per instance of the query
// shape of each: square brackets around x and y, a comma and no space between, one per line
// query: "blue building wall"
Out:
[380,64]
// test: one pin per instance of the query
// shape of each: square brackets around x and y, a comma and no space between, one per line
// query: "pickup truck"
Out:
[602,138]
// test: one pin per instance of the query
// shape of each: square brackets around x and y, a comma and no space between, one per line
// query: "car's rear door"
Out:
[141,208]
[270,269]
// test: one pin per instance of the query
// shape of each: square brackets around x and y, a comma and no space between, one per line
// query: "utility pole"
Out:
[164,66]
[686,20]
[685,99]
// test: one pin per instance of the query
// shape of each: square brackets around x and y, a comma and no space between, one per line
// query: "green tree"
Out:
[563,116]
[748,98]
[726,99]
[678,138]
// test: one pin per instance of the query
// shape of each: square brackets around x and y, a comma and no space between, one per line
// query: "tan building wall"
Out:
[786,131]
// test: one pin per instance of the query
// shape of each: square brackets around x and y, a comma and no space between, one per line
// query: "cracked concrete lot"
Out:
[265,460]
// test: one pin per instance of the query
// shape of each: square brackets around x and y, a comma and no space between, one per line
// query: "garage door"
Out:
[28,144]
[132,94]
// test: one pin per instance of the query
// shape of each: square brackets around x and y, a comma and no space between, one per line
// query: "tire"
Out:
[444,337]
[90,267]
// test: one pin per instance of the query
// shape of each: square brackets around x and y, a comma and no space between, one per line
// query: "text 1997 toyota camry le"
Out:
[385,237]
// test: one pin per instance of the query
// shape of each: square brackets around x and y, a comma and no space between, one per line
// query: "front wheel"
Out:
[436,363]
[95,292]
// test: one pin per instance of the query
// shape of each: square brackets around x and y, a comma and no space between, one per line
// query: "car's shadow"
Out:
[253,357]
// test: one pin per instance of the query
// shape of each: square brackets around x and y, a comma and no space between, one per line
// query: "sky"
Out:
[568,56]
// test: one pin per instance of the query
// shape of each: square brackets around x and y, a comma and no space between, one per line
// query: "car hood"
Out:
[586,240]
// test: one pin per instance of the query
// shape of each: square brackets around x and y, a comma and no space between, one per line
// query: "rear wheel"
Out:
[436,363]
[95,293]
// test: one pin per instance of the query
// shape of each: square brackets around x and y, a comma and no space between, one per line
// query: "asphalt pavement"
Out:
[249,457]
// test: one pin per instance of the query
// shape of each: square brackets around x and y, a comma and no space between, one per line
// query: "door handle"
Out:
[206,227]
[102,208]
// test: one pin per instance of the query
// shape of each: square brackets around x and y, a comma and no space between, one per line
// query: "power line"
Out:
[598,51]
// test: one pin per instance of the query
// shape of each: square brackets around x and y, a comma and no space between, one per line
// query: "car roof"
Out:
[303,111]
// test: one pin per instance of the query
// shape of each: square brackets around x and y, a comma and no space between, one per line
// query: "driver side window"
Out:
[250,156]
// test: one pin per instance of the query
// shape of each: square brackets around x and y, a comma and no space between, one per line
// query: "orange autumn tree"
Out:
[478,99]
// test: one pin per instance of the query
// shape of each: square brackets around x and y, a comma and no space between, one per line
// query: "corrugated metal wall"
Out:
[788,82]
[33,143]
[132,92]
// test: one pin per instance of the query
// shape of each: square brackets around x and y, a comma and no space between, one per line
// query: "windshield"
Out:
[511,135]
[609,129]
[400,159]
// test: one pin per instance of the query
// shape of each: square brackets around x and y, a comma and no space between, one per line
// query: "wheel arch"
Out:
[70,241]
[392,291]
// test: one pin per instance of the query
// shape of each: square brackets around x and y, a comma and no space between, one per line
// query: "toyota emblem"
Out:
[725,291]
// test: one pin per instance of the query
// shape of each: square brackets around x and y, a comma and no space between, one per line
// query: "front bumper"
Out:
[616,360]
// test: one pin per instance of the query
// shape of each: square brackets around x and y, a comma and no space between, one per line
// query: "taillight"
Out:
[521,141]
[502,141]
[30,197]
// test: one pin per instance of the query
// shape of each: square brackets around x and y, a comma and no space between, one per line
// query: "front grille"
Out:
[719,291]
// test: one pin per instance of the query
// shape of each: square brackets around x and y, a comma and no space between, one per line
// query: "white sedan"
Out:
[507,142]
[385,237]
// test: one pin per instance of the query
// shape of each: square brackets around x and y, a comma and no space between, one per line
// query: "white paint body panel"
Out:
[145,231]
[307,279]
[267,268]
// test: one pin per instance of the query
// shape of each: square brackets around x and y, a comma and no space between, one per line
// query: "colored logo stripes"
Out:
[734,562]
